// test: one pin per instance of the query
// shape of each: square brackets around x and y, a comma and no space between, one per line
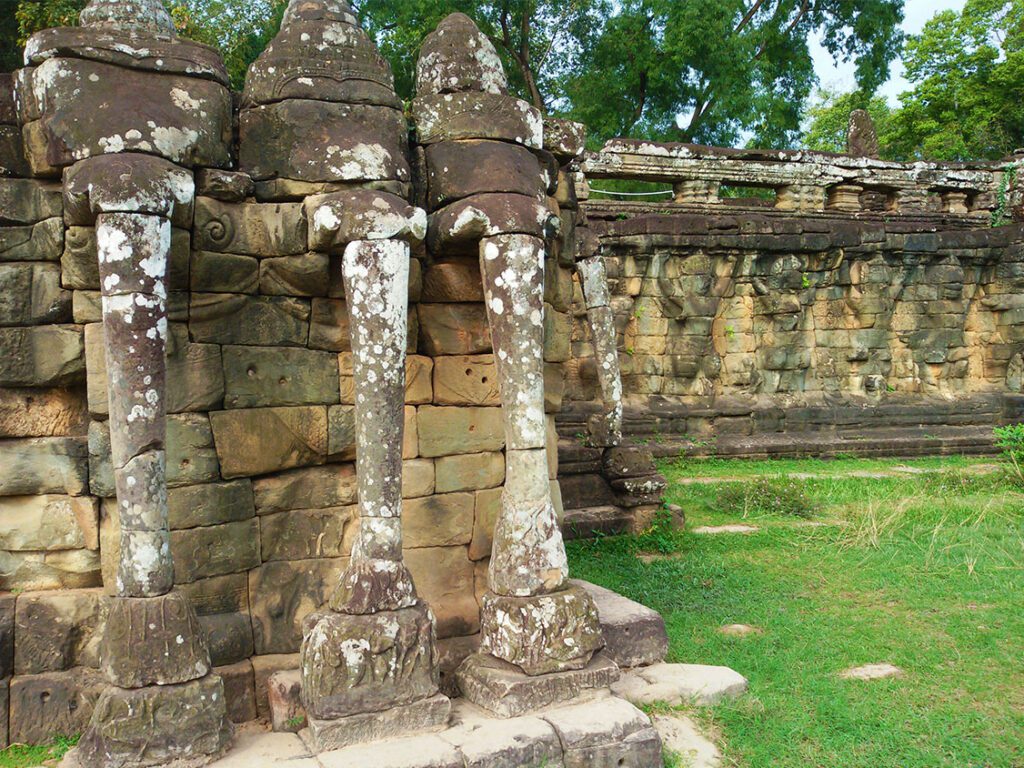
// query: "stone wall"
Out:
[878,318]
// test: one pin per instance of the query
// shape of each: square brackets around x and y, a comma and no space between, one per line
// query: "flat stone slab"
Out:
[607,731]
[507,691]
[711,530]
[740,630]
[255,746]
[427,751]
[681,736]
[634,634]
[426,715]
[872,672]
[676,684]
[488,742]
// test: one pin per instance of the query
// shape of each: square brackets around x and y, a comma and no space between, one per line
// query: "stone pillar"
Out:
[606,427]
[320,119]
[99,97]
[487,187]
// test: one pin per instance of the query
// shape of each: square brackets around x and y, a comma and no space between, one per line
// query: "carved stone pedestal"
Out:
[506,691]
[369,677]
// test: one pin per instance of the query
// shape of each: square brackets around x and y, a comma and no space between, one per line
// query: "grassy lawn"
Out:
[924,571]
[21,756]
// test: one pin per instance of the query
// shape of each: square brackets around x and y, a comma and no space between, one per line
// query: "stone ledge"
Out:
[634,635]
[676,684]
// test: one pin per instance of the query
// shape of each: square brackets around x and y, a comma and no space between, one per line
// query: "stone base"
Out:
[676,684]
[354,664]
[422,716]
[541,634]
[506,691]
[634,634]
[167,725]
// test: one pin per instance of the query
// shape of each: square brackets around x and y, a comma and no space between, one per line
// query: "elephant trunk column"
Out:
[487,184]
[369,667]
[606,427]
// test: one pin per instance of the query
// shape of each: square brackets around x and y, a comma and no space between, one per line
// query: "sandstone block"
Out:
[68,569]
[260,377]
[454,329]
[228,635]
[52,703]
[302,534]
[634,634]
[454,116]
[311,488]
[486,512]
[417,478]
[42,413]
[456,170]
[505,691]
[442,520]
[451,652]
[227,186]
[5,713]
[239,690]
[48,523]
[284,694]
[466,380]
[158,724]
[453,282]
[487,742]
[265,666]
[41,356]
[425,715]
[79,264]
[152,641]
[353,664]
[215,272]
[303,275]
[43,241]
[27,201]
[8,604]
[445,580]
[678,684]
[57,630]
[265,321]
[218,594]
[341,433]
[253,229]
[210,504]
[262,440]
[45,465]
[283,593]
[450,431]
[329,326]
[605,732]
[471,471]
[215,550]
[34,295]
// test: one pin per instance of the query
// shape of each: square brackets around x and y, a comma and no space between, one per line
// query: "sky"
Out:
[916,13]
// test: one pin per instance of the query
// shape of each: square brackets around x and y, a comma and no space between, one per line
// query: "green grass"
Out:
[22,756]
[922,571]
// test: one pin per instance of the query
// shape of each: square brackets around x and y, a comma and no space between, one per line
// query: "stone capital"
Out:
[126,183]
[337,219]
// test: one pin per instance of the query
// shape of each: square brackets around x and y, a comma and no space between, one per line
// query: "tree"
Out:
[725,67]
[967,71]
[828,121]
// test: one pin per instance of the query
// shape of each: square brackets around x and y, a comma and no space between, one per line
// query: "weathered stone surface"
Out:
[45,465]
[228,635]
[157,725]
[226,186]
[301,534]
[329,326]
[425,715]
[214,272]
[681,735]
[52,703]
[487,511]
[457,57]
[70,569]
[304,275]
[605,733]
[261,440]
[445,580]
[678,684]
[454,116]
[361,214]
[263,667]
[357,664]
[48,523]
[252,229]
[872,672]
[152,641]
[465,222]
[454,329]
[506,691]
[239,690]
[544,633]
[42,413]
[43,241]
[453,282]
[42,356]
[283,594]
[322,141]
[341,433]
[185,120]
[56,630]
[210,504]
[8,604]
[459,169]
[469,472]
[218,595]
[466,380]
[564,138]
[5,702]
[131,184]
[861,138]
[486,742]
[284,694]
[26,201]
[312,488]
[442,520]
[34,295]
[634,634]
[256,378]
[451,652]
[450,431]
[215,550]
[224,318]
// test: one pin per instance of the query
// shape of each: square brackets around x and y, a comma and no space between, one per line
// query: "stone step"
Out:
[677,684]
[634,634]
[590,522]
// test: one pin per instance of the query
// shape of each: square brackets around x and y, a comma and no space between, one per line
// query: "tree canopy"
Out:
[967,73]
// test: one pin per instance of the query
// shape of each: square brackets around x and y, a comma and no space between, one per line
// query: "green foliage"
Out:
[1011,440]
[828,118]
[1001,213]
[662,535]
[23,756]
[780,495]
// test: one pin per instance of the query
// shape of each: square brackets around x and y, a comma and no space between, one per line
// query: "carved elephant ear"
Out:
[148,16]
[458,57]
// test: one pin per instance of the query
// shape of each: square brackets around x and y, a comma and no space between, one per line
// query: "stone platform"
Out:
[598,730]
